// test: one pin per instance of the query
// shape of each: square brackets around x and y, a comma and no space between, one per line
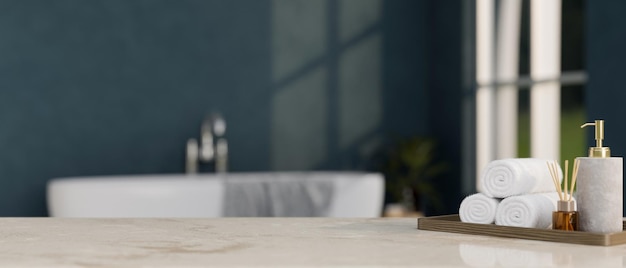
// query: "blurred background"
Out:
[91,87]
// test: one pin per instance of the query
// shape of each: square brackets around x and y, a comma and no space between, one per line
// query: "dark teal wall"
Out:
[605,94]
[94,87]
[447,69]
[116,87]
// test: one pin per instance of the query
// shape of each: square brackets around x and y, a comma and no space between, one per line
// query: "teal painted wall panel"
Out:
[117,87]
[90,87]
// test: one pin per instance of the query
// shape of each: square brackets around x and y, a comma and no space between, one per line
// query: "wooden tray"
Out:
[452,224]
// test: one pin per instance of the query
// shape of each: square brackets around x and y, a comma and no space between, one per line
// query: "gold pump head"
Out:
[599,150]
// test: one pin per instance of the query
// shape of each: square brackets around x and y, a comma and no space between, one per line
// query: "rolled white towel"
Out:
[478,208]
[531,210]
[517,176]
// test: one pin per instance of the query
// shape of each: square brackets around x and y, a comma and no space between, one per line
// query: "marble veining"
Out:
[258,242]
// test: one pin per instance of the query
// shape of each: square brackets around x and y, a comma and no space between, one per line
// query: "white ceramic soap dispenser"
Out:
[599,191]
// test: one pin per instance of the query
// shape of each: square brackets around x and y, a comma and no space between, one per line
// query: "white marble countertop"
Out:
[270,242]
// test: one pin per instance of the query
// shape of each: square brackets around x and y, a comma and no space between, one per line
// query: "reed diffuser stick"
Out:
[565,178]
[554,172]
[574,176]
[556,185]
[565,217]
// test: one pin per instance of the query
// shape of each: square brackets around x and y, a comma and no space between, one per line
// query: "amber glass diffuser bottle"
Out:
[565,217]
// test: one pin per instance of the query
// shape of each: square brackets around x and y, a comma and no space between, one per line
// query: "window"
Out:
[529,79]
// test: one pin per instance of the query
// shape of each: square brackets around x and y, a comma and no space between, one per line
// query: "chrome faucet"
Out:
[213,146]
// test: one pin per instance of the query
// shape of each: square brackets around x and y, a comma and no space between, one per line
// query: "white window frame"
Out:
[498,82]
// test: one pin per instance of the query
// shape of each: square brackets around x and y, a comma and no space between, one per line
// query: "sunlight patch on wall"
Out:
[298,36]
[299,125]
[356,16]
[360,91]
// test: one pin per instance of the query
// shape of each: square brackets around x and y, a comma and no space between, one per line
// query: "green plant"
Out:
[410,167]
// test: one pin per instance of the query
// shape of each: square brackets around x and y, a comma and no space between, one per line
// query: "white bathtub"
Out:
[201,195]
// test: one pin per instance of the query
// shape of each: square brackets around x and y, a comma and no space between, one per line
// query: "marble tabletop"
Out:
[271,242]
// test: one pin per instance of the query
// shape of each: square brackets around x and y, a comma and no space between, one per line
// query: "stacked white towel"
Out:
[531,210]
[514,192]
[478,208]
[518,176]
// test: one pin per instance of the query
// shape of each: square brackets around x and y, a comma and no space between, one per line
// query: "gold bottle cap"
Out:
[599,150]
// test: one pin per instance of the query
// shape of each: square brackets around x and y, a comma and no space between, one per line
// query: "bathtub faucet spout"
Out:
[213,146]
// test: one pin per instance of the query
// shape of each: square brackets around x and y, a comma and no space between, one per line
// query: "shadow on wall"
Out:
[116,87]
[327,85]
